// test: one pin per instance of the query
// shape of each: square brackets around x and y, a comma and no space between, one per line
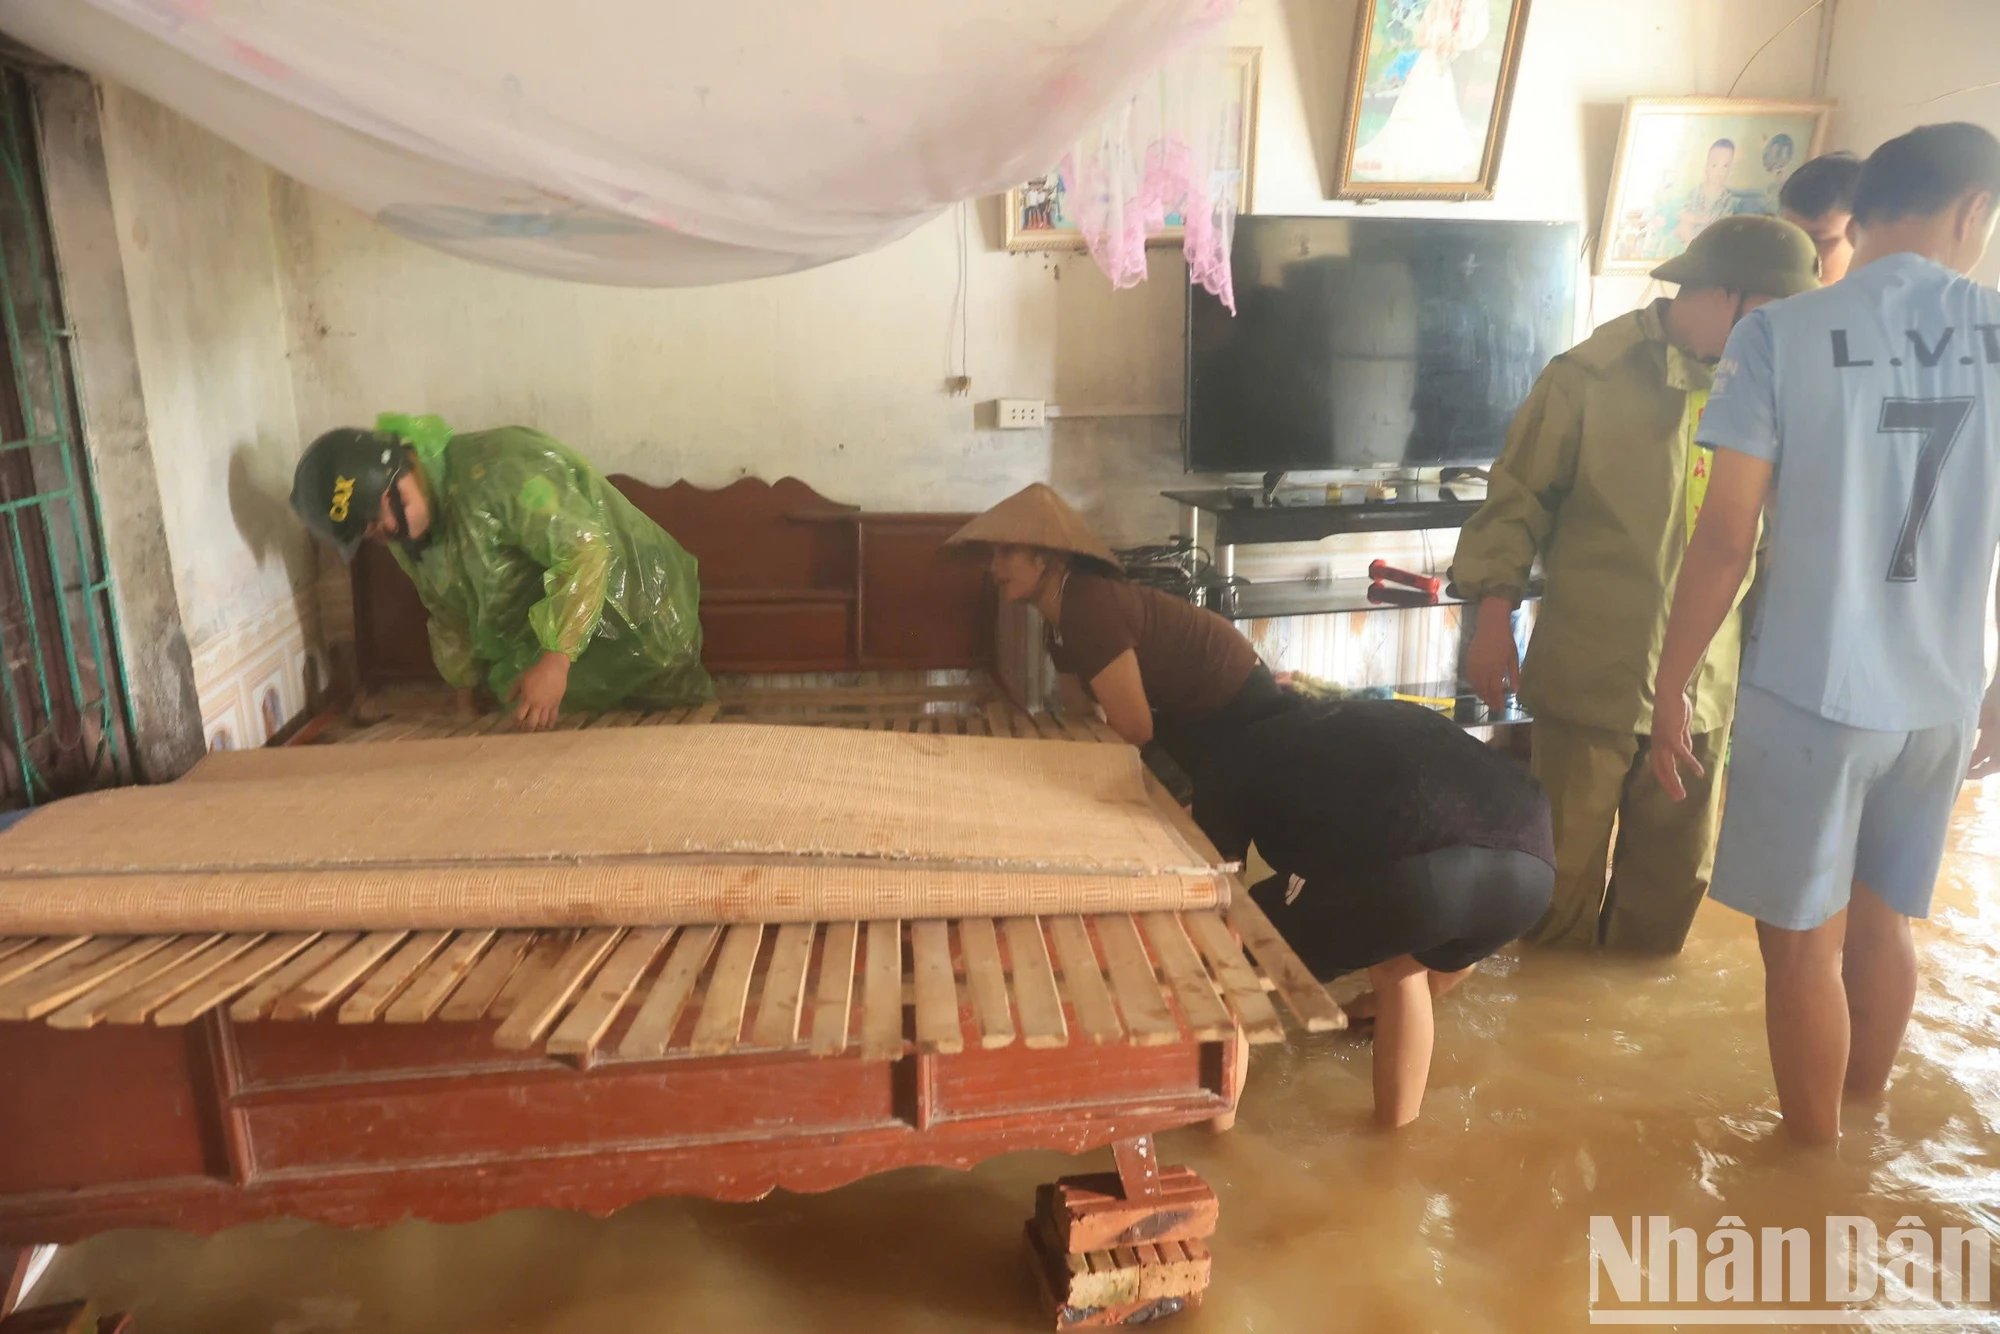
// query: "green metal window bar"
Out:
[65,725]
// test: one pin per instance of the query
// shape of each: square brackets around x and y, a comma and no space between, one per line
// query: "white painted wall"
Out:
[265,313]
[837,376]
[211,337]
[1893,70]
[194,231]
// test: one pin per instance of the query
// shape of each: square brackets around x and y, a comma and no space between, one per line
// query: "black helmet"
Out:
[340,481]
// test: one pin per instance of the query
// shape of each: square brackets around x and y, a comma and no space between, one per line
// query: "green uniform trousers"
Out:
[1598,779]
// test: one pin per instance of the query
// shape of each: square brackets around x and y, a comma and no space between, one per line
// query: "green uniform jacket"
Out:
[1594,480]
[534,551]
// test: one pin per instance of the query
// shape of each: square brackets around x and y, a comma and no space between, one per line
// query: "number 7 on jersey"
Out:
[1938,420]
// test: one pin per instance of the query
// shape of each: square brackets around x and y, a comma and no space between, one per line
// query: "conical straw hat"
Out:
[1035,516]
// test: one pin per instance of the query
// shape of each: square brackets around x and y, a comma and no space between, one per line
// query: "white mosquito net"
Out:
[684,142]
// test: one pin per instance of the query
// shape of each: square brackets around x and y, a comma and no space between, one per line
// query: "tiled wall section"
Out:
[255,679]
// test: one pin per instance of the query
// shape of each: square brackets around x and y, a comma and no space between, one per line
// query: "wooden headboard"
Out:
[790,582]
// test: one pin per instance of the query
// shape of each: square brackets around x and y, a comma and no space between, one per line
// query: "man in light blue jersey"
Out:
[1868,414]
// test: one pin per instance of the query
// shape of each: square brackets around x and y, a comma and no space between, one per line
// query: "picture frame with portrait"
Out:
[1034,214]
[1685,162]
[1429,90]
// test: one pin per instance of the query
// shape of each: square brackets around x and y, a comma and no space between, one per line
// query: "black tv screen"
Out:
[1372,342]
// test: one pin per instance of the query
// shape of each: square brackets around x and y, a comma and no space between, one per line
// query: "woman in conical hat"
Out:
[1160,668]
[1401,845]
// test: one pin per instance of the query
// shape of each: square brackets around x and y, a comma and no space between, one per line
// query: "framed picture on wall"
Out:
[1684,162]
[1037,220]
[1427,98]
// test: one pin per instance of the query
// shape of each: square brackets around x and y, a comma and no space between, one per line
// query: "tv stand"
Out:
[1244,518]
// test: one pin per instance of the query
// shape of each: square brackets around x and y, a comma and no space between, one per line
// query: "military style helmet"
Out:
[1749,253]
[340,481]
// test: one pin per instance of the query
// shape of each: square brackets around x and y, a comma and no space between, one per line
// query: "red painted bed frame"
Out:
[361,1125]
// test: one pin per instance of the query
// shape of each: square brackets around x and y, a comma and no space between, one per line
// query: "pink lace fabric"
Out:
[1169,155]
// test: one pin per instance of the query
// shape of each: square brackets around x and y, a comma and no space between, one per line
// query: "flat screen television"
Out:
[1374,342]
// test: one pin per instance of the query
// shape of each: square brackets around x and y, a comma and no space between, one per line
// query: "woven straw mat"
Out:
[619,827]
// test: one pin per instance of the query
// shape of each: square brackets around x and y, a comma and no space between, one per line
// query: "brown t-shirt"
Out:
[1191,661]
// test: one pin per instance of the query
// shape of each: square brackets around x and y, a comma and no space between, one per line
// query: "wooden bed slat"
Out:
[621,718]
[987,981]
[232,977]
[591,1018]
[1147,1017]
[833,998]
[395,729]
[938,1027]
[720,1024]
[1042,1022]
[882,993]
[545,951]
[428,989]
[312,996]
[51,988]
[1239,981]
[42,952]
[1083,984]
[138,1004]
[1303,993]
[783,1000]
[89,1009]
[541,1005]
[653,1027]
[372,997]
[258,1002]
[1076,729]
[1207,1017]
[485,979]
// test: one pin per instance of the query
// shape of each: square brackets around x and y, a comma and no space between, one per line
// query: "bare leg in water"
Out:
[1404,1035]
[1836,1001]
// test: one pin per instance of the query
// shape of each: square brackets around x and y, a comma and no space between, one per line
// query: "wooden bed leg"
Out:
[14,1270]
[1122,1248]
[1235,1070]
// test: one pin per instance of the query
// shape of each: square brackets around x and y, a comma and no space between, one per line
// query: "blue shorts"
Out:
[1814,805]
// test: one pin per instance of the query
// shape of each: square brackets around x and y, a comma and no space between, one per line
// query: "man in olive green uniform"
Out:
[540,578]
[1602,480]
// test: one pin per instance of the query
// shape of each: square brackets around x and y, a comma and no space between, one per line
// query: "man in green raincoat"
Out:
[540,578]
[1601,479]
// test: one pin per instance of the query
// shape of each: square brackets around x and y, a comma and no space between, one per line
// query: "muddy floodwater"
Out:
[1564,1088]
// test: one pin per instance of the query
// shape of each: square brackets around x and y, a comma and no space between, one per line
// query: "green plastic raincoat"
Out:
[533,551]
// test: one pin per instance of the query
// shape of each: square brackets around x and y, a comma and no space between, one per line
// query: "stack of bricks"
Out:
[1104,1257]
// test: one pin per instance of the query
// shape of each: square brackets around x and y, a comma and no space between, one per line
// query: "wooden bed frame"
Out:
[205,1123]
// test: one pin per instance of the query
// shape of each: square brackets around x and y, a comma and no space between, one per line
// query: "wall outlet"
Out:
[1018,414]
